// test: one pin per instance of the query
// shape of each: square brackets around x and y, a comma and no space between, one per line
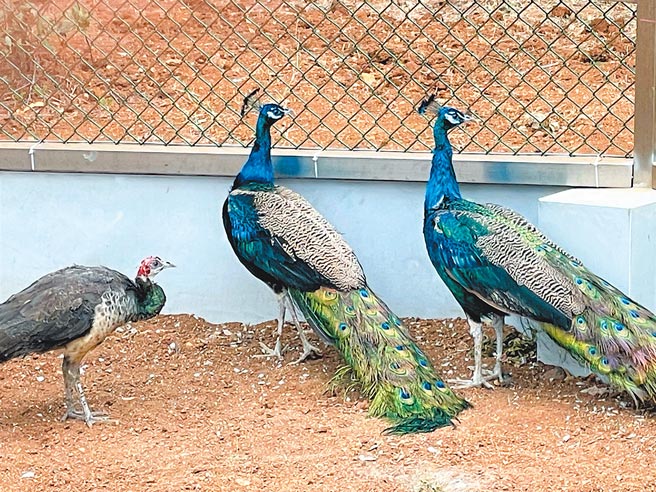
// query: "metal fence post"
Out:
[645,99]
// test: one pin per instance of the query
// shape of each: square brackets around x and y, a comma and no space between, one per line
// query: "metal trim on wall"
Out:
[358,165]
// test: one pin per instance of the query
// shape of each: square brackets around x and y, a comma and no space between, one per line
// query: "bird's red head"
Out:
[151,266]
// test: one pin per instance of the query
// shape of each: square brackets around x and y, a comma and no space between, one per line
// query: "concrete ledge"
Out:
[109,158]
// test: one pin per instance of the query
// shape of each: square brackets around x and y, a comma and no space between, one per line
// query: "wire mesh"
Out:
[545,76]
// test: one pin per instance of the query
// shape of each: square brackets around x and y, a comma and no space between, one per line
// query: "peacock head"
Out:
[151,266]
[447,117]
[268,113]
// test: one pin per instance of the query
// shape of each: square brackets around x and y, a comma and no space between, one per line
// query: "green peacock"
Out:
[282,240]
[497,263]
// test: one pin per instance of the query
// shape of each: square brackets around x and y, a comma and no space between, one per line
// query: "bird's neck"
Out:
[150,297]
[442,185]
[258,168]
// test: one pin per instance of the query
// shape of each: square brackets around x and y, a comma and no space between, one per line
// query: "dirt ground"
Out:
[193,409]
[543,76]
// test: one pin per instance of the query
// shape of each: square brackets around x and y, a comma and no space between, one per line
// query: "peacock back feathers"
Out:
[276,230]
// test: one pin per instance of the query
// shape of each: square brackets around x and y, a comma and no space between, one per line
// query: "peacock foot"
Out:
[477,381]
[269,352]
[496,374]
[90,418]
[309,352]
[469,383]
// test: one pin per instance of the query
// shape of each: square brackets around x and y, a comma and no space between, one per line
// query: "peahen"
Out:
[74,309]
[285,242]
[496,263]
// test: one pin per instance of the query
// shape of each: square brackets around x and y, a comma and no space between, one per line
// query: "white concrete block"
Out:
[613,232]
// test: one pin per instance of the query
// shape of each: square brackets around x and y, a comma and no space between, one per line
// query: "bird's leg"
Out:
[277,350]
[71,370]
[497,324]
[476,331]
[69,385]
[309,350]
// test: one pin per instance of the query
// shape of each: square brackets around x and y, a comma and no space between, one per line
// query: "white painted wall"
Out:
[48,221]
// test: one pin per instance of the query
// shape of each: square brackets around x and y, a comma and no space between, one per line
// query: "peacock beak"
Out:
[168,264]
[470,117]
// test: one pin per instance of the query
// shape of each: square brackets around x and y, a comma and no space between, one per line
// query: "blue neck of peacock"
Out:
[442,183]
[258,168]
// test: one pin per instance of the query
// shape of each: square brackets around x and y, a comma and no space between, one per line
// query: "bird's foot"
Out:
[90,418]
[495,374]
[470,383]
[478,380]
[309,352]
[270,352]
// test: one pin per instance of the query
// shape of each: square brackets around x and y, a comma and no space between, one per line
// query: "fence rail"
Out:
[544,77]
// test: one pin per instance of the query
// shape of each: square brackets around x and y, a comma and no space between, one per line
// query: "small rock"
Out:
[367,457]
[244,482]
[561,11]
[566,437]
[554,374]
[28,474]
[362,405]
[595,390]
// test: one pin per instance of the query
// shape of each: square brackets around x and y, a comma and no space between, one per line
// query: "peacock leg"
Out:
[476,331]
[71,371]
[277,350]
[497,324]
[309,350]
[69,386]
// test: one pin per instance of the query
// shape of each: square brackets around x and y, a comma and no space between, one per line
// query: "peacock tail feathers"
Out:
[392,370]
[613,334]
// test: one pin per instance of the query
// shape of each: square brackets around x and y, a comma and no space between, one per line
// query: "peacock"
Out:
[496,263]
[282,240]
[74,309]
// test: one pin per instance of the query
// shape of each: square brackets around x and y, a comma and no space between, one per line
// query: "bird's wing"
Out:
[57,308]
[496,258]
[278,232]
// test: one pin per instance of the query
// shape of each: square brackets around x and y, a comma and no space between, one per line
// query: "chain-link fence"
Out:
[543,76]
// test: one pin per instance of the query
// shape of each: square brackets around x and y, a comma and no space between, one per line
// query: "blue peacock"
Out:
[496,263]
[282,240]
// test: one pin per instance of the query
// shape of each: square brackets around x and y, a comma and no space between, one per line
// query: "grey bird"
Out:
[75,309]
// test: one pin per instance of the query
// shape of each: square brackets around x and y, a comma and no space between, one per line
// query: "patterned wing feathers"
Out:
[305,234]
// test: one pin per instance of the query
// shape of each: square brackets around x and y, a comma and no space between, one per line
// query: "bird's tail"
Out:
[397,376]
[627,360]
[610,333]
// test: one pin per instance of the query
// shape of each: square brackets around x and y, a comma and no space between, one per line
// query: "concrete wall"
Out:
[48,221]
